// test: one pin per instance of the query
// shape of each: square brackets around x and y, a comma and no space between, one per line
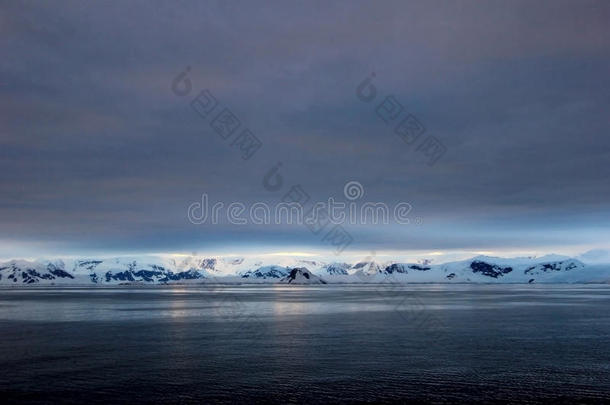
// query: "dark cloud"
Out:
[96,152]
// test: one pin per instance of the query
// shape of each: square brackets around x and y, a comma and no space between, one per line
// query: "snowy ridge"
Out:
[300,275]
[195,269]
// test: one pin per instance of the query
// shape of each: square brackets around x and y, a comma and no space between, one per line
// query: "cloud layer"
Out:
[98,154]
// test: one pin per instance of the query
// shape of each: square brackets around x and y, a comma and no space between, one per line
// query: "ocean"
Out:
[306,344]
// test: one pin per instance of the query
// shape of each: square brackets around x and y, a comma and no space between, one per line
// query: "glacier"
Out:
[241,270]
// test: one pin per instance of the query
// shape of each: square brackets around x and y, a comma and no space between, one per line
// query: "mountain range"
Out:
[197,269]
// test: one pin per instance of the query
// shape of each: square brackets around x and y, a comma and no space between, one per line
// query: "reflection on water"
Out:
[305,343]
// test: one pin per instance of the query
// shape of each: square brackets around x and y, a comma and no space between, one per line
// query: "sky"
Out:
[101,151]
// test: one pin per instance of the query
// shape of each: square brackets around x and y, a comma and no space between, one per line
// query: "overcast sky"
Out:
[99,155]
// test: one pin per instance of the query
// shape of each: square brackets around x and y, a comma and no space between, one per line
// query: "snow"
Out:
[300,275]
[266,269]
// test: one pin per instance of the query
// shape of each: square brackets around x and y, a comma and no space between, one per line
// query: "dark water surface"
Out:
[289,344]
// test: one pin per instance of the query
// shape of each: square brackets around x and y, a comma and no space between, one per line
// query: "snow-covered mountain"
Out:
[336,269]
[595,256]
[267,272]
[196,269]
[300,275]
